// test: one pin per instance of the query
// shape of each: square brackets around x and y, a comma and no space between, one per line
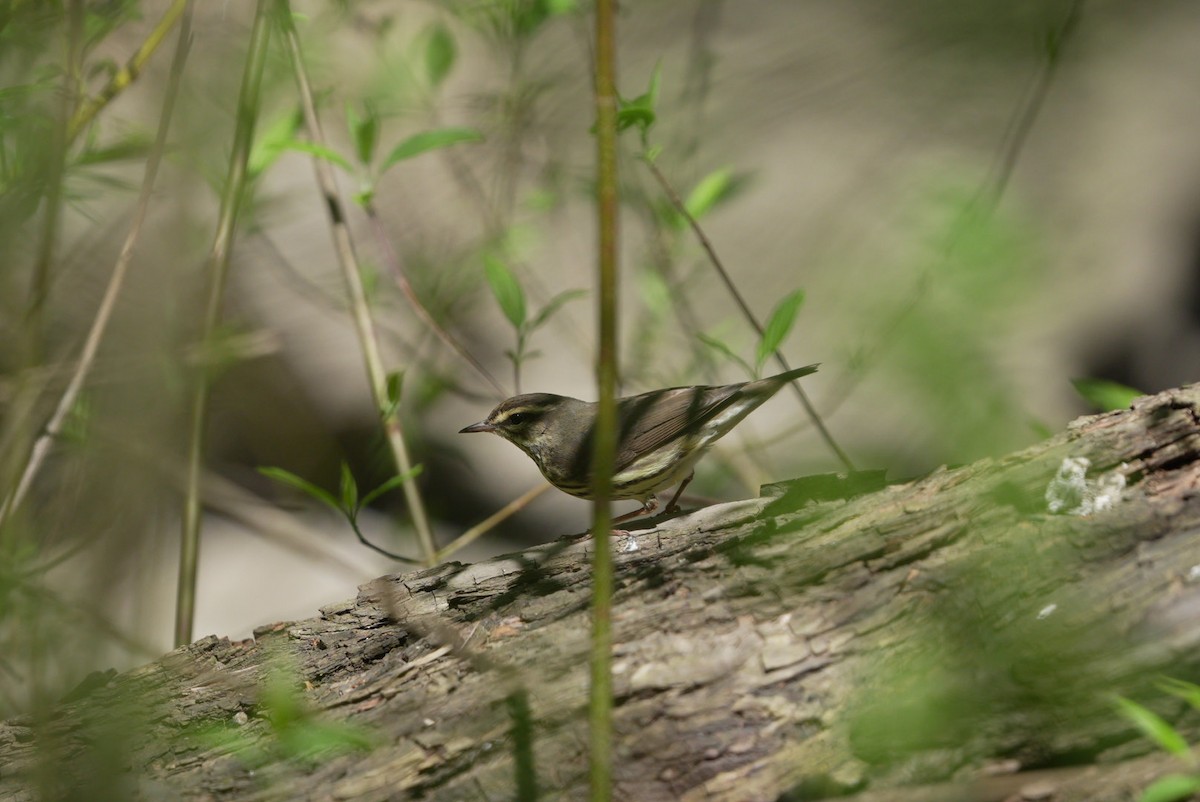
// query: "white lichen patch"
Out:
[1070,492]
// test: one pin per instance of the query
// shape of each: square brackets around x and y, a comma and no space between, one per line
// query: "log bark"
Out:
[946,638]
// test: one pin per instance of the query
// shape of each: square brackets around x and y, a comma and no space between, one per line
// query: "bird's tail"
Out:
[793,374]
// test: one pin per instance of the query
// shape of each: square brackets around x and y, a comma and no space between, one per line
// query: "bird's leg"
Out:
[650,505]
[673,508]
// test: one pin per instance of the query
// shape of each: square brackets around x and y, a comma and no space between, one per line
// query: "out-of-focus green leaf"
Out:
[309,739]
[349,489]
[440,54]
[393,388]
[322,152]
[778,326]
[303,485]
[1105,395]
[365,131]
[395,385]
[507,291]
[712,189]
[1172,788]
[417,144]
[273,140]
[528,16]
[553,306]
[640,111]
[393,483]
[1155,728]
[1187,691]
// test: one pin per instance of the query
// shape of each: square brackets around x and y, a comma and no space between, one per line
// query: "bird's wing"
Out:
[651,420]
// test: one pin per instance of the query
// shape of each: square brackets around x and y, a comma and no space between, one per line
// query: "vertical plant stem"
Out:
[344,247]
[218,271]
[41,447]
[600,699]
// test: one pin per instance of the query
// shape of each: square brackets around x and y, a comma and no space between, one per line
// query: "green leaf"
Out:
[1154,727]
[528,16]
[303,485]
[640,112]
[1104,395]
[393,387]
[417,144]
[273,140]
[365,131]
[311,739]
[554,304]
[440,54]
[778,326]
[712,189]
[322,153]
[395,384]
[1171,788]
[349,489]
[724,350]
[78,423]
[1184,690]
[393,483]
[280,704]
[508,292]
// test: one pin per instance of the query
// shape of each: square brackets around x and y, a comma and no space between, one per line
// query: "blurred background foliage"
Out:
[977,209]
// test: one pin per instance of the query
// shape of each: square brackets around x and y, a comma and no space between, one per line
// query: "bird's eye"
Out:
[517,418]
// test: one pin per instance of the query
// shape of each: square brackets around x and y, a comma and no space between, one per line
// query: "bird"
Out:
[661,435]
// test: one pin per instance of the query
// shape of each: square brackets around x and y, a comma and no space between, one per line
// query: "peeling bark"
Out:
[947,638]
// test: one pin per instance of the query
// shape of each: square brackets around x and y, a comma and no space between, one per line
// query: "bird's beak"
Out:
[482,426]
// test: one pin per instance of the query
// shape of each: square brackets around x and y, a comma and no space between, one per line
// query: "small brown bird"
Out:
[661,434]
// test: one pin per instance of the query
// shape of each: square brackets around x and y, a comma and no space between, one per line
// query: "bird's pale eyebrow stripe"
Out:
[508,413]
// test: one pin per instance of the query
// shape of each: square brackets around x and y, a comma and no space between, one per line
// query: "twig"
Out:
[344,247]
[489,523]
[809,409]
[392,260]
[120,80]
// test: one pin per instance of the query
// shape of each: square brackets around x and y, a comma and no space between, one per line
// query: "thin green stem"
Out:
[347,259]
[124,77]
[218,270]
[600,699]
